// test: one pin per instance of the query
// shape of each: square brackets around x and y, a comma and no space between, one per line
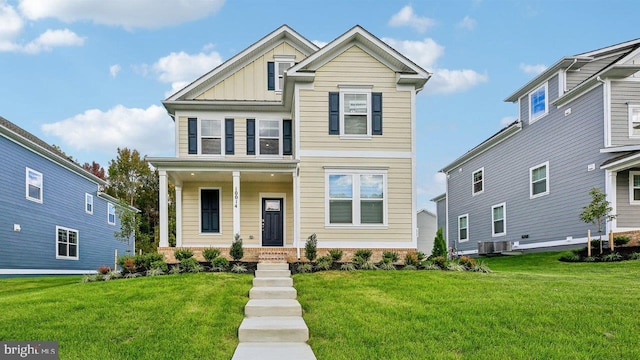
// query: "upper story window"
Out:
[33,185]
[88,203]
[499,220]
[634,120]
[355,113]
[67,243]
[478,182]
[356,198]
[539,180]
[111,214]
[463,228]
[281,67]
[538,103]
[634,187]
[269,137]
[211,137]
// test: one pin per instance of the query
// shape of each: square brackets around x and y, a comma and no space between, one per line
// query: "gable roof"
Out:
[32,142]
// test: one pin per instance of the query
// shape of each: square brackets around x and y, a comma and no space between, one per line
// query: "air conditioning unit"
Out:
[491,247]
[501,246]
[485,247]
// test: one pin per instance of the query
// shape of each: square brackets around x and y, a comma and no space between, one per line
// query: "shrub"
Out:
[364,254]
[439,245]
[368,265]
[175,270]
[569,256]
[441,261]
[409,267]
[634,256]
[219,264]
[143,261]
[386,265]
[612,257]
[159,264]
[210,254]
[347,267]
[104,270]
[183,254]
[411,259]
[190,265]
[467,262]
[92,278]
[236,251]
[131,275]
[589,259]
[155,272]
[113,275]
[324,262]
[390,255]
[336,254]
[428,265]
[481,267]
[421,256]
[238,268]
[453,266]
[311,247]
[305,268]
[621,240]
[127,263]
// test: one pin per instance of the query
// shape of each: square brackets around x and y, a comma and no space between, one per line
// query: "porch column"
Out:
[296,211]
[164,214]
[236,202]
[610,185]
[178,215]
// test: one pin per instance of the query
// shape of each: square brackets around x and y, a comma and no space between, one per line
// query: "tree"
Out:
[128,224]
[439,245]
[597,212]
[95,169]
[310,247]
[236,251]
[127,175]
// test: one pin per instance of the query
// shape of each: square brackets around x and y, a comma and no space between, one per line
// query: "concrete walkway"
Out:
[273,328]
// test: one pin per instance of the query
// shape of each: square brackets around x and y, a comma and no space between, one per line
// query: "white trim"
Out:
[236,197]
[620,148]
[473,193]
[221,137]
[41,188]
[531,169]
[504,220]
[355,91]
[631,200]
[296,211]
[466,252]
[88,196]
[258,137]
[67,257]
[533,119]
[283,207]
[109,207]
[355,174]
[281,59]
[414,182]
[632,108]
[610,190]
[606,94]
[200,233]
[178,215]
[45,272]
[466,228]
[369,244]
[561,82]
[163,194]
[358,154]
[552,243]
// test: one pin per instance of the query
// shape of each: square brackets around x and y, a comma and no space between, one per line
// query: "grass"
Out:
[531,307]
[168,317]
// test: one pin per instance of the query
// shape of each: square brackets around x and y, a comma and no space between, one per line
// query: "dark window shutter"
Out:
[251,136]
[271,76]
[193,135]
[228,136]
[210,211]
[334,113]
[287,138]
[376,113]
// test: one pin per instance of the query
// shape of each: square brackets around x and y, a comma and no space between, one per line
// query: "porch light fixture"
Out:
[192,174]
[271,174]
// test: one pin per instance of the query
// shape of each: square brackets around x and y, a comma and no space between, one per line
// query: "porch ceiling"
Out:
[227,176]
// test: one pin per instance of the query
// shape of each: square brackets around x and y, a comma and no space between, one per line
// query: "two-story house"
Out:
[578,129]
[54,218]
[286,139]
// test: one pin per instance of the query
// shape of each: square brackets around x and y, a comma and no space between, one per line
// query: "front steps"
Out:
[273,327]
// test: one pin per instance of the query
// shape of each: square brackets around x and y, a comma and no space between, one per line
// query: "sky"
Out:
[90,75]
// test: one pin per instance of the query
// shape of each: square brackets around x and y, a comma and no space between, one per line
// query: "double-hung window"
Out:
[66,243]
[538,103]
[88,203]
[111,214]
[356,198]
[477,179]
[634,187]
[211,137]
[463,228]
[539,180]
[634,121]
[499,220]
[269,137]
[355,112]
[33,187]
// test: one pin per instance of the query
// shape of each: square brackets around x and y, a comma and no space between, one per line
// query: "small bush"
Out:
[175,270]
[482,267]
[467,262]
[409,267]
[439,245]
[113,275]
[336,254]
[390,255]
[128,264]
[421,256]
[190,265]
[589,259]
[364,254]
[621,240]
[453,266]
[210,254]
[386,265]
[368,265]
[441,261]
[143,261]
[131,275]
[570,256]
[159,265]
[347,267]
[612,257]
[155,272]
[634,256]
[92,278]
[219,264]
[236,251]
[324,262]
[411,259]
[183,254]
[305,268]
[311,247]
[238,268]
[428,265]
[104,270]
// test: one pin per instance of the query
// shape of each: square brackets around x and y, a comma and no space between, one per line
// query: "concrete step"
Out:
[273,266]
[272,307]
[273,329]
[273,351]
[273,293]
[273,273]
[273,282]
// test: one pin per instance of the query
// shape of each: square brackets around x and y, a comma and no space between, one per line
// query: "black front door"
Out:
[272,222]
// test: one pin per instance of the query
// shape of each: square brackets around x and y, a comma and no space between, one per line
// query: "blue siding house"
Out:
[525,186]
[53,217]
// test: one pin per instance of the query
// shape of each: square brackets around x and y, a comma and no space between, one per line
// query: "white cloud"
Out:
[507,120]
[533,69]
[406,17]
[424,53]
[181,68]
[53,38]
[148,130]
[467,23]
[114,70]
[446,81]
[126,13]
[11,25]
[320,43]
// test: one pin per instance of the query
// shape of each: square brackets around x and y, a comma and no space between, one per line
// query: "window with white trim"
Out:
[463,228]
[634,121]
[499,219]
[211,137]
[539,180]
[356,198]
[88,203]
[538,103]
[281,67]
[111,214]
[269,137]
[33,185]
[66,243]
[355,112]
[477,179]
[634,187]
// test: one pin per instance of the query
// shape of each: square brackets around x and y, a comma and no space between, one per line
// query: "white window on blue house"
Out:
[463,228]
[499,220]
[88,203]
[539,180]
[538,103]
[634,187]
[111,214]
[356,198]
[634,121]
[66,243]
[33,182]
[478,182]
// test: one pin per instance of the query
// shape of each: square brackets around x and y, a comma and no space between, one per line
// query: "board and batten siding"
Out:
[623,94]
[250,82]
[355,67]
[574,78]
[398,196]
[627,215]
[34,246]
[569,143]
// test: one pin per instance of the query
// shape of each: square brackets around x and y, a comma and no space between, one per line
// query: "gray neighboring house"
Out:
[426,230]
[525,186]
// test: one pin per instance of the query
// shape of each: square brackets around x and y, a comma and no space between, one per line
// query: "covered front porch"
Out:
[622,187]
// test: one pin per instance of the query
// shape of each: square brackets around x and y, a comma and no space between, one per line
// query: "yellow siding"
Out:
[399,200]
[355,66]
[251,210]
[191,214]
[182,136]
[250,82]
